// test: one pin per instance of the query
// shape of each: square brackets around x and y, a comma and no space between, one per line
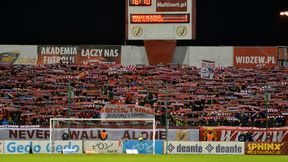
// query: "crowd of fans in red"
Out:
[235,97]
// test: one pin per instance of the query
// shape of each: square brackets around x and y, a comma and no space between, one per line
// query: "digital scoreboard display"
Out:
[160,19]
[140,2]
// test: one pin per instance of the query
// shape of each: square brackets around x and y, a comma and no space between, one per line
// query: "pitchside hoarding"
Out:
[144,147]
[181,147]
[251,57]
[23,147]
[160,19]
[266,148]
[103,147]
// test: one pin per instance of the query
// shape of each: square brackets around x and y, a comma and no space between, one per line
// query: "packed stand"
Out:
[30,95]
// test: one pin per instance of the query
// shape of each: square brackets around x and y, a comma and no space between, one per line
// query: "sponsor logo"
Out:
[105,146]
[182,135]
[170,147]
[209,148]
[210,135]
[8,57]
[137,31]
[206,148]
[181,31]
[27,60]
[259,60]
[193,148]
[143,147]
[15,147]
[264,148]
[171,5]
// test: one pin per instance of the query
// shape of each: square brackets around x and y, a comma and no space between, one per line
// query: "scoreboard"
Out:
[160,19]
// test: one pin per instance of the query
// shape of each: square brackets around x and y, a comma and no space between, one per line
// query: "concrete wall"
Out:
[223,56]
[133,55]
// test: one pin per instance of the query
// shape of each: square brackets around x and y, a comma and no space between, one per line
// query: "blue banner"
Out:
[144,147]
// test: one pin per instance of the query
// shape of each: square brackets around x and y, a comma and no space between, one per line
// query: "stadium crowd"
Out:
[235,97]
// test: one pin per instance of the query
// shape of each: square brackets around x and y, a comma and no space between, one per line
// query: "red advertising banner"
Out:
[79,54]
[251,57]
[232,133]
[51,54]
[171,5]
[266,148]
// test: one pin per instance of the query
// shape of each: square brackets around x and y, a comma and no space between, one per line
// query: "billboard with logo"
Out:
[224,133]
[144,147]
[266,148]
[182,147]
[68,54]
[23,147]
[52,54]
[103,147]
[160,19]
[251,57]
[18,54]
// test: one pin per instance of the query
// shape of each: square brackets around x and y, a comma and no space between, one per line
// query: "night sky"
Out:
[219,22]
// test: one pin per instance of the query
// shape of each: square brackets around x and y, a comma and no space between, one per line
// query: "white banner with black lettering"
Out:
[23,146]
[103,147]
[11,133]
[182,147]
[126,111]
[1,147]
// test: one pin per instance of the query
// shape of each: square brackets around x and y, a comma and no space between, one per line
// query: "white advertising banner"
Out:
[23,146]
[126,111]
[18,54]
[207,69]
[103,147]
[181,147]
[1,147]
[10,133]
